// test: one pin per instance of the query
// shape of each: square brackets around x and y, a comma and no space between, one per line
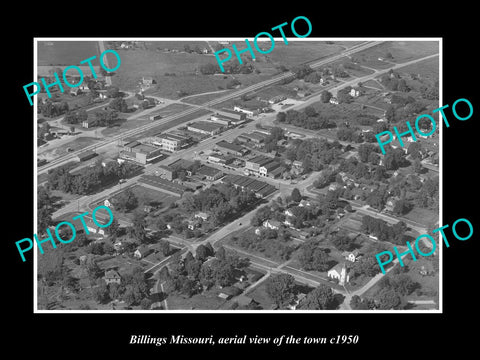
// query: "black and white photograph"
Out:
[267,182]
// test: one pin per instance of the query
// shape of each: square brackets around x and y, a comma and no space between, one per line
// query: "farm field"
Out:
[401,51]
[65,52]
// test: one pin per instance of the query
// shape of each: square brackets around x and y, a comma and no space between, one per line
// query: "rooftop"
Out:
[205,126]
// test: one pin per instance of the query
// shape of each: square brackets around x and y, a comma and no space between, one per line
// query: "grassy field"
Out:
[427,68]
[402,51]
[146,196]
[423,216]
[344,112]
[65,52]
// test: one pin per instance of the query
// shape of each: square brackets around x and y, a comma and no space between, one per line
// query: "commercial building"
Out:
[254,137]
[245,111]
[141,153]
[233,114]
[260,188]
[206,128]
[230,148]
[256,163]
[172,142]
[209,173]
[220,159]
[225,121]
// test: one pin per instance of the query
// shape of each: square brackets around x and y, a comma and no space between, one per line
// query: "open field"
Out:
[288,55]
[75,144]
[401,51]
[146,196]
[423,216]
[345,112]
[66,52]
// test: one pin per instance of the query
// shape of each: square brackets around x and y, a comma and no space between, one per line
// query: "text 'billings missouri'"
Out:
[174,339]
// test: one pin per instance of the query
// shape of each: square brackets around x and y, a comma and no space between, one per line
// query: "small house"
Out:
[142,252]
[351,256]
[333,100]
[112,276]
[271,224]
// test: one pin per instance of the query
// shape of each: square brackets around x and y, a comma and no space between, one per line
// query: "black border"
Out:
[110,333]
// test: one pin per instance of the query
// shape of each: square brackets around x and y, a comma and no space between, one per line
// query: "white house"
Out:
[351,256]
[354,92]
[334,100]
[339,272]
[142,251]
[271,224]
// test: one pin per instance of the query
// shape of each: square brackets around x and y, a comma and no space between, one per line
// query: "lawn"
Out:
[259,294]
[426,69]
[208,300]
[422,216]
[146,195]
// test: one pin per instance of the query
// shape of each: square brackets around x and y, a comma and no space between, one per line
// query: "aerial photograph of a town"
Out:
[262,187]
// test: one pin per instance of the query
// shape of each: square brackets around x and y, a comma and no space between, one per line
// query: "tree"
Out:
[402,207]
[113,230]
[164,247]
[343,243]
[100,292]
[417,166]
[321,298]
[119,104]
[414,150]
[137,230]
[296,196]
[126,201]
[281,116]
[325,96]
[389,299]
[202,252]
[310,111]
[113,92]
[280,288]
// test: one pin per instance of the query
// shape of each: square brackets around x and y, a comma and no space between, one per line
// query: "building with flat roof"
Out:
[205,127]
[230,148]
[255,137]
[245,111]
[256,163]
[210,173]
[141,153]
[265,170]
[172,142]
[225,121]
[233,114]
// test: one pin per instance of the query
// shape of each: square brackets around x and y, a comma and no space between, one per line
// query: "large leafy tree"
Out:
[321,298]
[280,288]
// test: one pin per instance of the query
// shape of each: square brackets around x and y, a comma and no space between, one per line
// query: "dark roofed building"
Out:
[231,148]
[210,173]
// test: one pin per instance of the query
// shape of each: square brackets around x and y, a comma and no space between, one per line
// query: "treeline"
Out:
[193,274]
[307,119]
[392,293]
[384,232]
[90,178]
[223,202]
[273,244]
[314,154]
